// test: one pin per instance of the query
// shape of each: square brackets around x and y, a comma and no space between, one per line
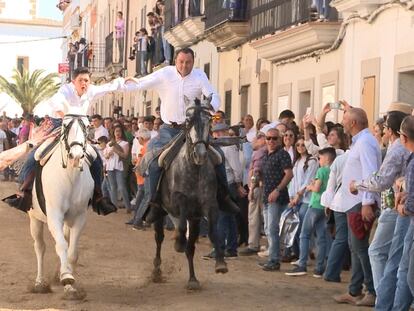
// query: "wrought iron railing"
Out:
[217,11]
[177,11]
[96,58]
[268,16]
[109,49]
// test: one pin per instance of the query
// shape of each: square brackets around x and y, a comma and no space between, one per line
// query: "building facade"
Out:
[26,39]
[262,56]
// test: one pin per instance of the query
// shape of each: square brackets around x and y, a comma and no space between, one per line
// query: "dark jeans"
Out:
[166,134]
[361,266]
[227,232]
[339,248]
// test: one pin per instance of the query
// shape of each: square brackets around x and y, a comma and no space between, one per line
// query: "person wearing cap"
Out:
[174,84]
[226,223]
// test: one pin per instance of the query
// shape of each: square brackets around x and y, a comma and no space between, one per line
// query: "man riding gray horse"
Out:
[174,84]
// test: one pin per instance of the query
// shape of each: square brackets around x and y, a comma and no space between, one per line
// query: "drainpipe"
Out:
[126,36]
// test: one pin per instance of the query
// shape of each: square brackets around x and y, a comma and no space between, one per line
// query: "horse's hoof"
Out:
[67,279]
[180,246]
[157,276]
[41,288]
[221,267]
[193,285]
[72,293]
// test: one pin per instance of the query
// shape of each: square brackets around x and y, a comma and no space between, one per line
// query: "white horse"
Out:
[68,189]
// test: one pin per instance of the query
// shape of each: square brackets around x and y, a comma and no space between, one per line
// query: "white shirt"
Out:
[251,134]
[234,170]
[364,159]
[100,131]
[68,100]
[154,134]
[291,153]
[172,88]
[332,197]
[136,148]
[114,162]
[302,178]
[3,137]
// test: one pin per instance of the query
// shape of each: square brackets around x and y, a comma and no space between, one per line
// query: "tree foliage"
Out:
[30,89]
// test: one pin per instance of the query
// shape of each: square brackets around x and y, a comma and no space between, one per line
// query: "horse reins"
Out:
[64,136]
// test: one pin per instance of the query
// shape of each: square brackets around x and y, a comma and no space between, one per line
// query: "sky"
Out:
[48,9]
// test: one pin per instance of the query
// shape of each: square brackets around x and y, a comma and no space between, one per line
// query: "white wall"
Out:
[44,54]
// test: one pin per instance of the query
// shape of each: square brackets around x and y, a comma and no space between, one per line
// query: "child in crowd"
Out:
[314,220]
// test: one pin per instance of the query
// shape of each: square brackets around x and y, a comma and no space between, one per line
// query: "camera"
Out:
[335,105]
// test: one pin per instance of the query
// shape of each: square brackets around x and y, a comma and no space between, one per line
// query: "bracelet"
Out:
[29,145]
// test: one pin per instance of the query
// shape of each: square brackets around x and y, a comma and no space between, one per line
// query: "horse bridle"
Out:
[190,124]
[65,133]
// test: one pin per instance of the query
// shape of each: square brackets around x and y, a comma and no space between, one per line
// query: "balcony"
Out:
[96,62]
[184,25]
[113,69]
[286,28]
[362,7]
[227,24]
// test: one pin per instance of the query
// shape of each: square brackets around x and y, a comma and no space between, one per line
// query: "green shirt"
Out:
[322,174]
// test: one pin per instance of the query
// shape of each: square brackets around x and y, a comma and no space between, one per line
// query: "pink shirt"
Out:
[119,29]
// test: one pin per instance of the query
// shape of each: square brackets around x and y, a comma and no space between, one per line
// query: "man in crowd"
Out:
[277,173]
[99,129]
[364,159]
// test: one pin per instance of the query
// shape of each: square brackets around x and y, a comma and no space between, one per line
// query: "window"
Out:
[148,108]
[227,105]
[22,63]
[368,98]
[304,103]
[406,87]
[244,100]
[207,70]
[263,100]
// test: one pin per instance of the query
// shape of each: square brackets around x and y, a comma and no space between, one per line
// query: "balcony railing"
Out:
[218,12]
[177,11]
[109,49]
[268,16]
[96,61]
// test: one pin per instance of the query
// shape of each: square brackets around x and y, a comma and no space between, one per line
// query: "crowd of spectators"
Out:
[334,177]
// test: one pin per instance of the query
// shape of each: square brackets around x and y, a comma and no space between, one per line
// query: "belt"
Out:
[175,125]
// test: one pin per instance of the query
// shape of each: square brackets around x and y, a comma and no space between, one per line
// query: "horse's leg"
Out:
[55,224]
[36,230]
[159,238]
[75,232]
[180,233]
[70,292]
[221,266]
[193,283]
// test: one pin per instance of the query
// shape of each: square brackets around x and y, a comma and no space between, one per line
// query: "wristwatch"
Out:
[29,145]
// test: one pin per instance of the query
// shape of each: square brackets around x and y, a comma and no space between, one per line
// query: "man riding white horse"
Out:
[174,84]
[74,98]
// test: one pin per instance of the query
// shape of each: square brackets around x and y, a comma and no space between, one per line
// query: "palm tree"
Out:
[30,89]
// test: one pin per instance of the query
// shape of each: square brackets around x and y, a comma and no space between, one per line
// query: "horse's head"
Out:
[74,134]
[198,129]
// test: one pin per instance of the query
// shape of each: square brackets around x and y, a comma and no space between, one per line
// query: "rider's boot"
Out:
[100,204]
[23,202]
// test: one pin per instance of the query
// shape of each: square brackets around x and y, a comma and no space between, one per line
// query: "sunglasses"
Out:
[401,133]
[274,138]
[300,145]
[216,117]
[288,135]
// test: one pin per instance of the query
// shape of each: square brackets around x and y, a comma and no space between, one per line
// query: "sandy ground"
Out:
[115,265]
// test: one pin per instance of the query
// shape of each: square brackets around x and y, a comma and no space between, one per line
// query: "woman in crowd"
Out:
[117,151]
[304,169]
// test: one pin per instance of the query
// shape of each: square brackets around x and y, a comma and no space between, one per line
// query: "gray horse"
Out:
[188,192]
